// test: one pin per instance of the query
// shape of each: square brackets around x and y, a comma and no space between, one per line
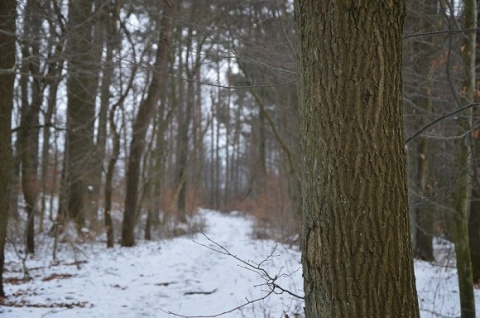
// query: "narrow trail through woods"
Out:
[181,275]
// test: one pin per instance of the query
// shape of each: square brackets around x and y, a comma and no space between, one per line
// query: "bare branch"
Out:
[438,32]
[270,281]
[438,120]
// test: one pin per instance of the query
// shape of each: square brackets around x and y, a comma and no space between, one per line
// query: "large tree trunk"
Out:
[140,126]
[356,250]
[81,92]
[7,78]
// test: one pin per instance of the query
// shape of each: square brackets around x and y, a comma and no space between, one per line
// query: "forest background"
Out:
[128,115]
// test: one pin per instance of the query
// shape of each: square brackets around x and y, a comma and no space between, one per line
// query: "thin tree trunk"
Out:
[142,121]
[106,33]
[423,214]
[462,195]
[28,135]
[184,119]
[474,234]
[54,71]
[109,178]
[474,219]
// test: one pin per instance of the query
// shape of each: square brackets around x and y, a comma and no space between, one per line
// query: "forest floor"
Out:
[196,275]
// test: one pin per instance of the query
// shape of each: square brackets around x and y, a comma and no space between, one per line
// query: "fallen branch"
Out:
[200,292]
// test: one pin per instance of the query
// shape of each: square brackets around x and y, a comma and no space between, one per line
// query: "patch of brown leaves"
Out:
[57,276]
[25,303]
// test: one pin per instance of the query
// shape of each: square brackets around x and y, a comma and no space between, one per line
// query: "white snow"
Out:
[184,276]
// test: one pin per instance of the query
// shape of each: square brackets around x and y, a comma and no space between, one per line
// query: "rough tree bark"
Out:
[356,250]
[7,78]
[137,145]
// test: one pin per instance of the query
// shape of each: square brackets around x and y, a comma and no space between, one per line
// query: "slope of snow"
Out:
[186,276]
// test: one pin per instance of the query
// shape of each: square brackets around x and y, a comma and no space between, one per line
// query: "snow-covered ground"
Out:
[186,276]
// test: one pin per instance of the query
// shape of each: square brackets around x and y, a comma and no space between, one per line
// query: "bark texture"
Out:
[356,250]
[7,77]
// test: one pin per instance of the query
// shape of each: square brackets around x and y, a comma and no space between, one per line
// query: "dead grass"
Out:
[273,211]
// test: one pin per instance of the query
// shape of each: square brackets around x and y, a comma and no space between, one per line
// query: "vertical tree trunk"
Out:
[55,68]
[106,35]
[109,178]
[474,234]
[156,170]
[137,144]
[356,250]
[423,16]
[32,98]
[261,162]
[7,78]
[462,194]
[423,215]
[82,85]
[474,219]
[158,165]
[213,158]
[217,168]
[182,148]
[54,71]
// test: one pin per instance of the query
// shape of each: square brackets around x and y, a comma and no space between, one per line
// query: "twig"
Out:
[274,288]
[438,120]
[271,281]
[438,32]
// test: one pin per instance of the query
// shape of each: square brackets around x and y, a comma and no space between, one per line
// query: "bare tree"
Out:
[419,74]
[7,78]
[32,98]
[463,166]
[137,144]
[83,72]
[474,219]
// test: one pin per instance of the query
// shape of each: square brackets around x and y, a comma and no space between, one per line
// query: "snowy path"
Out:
[183,277]
[154,278]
